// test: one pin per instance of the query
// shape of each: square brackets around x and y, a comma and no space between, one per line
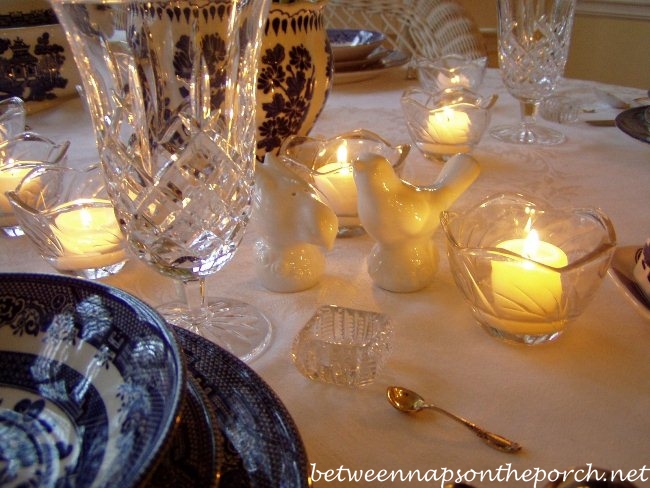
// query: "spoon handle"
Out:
[493,440]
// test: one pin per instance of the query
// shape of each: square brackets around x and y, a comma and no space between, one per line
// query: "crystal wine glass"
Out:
[171,89]
[533,40]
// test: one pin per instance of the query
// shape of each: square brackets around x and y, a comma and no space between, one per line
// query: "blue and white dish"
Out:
[393,59]
[263,447]
[350,44]
[635,122]
[91,384]
[38,66]
[196,455]
[622,272]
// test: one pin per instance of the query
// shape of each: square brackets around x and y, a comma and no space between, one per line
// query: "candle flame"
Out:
[342,154]
[531,245]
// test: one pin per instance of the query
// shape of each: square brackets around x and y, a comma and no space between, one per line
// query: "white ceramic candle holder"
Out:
[326,164]
[69,217]
[527,268]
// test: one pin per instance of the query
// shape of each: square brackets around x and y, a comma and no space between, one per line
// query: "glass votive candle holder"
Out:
[343,346]
[18,156]
[445,123]
[450,71]
[327,165]
[12,118]
[527,268]
[67,214]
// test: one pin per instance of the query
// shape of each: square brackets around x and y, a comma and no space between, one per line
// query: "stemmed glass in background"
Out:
[171,89]
[533,39]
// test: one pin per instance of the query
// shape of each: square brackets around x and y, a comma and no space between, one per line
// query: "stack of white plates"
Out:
[359,54]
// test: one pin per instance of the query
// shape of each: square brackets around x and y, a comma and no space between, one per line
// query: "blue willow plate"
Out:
[635,122]
[262,445]
[349,44]
[91,384]
[196,454]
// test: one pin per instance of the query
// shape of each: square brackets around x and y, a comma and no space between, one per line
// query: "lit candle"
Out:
[10,178]
[449,130]
[526,293]
[336,182]
[89,235]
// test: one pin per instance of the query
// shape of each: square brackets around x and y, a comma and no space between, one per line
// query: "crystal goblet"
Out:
[533,42]
[171,89]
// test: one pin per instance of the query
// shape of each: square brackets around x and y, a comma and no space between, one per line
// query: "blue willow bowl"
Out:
[91,383]
[521,291]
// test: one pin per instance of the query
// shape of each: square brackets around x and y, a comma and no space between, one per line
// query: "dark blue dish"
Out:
[91,384]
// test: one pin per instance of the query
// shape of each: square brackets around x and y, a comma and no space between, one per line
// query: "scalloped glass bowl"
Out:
[18,156]
[68,216]
[319,162]
[450,71]
[91,385]
[12,118]
[445,123]
[527,296]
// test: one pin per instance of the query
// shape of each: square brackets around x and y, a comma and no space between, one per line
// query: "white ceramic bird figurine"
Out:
[402,218]
[295,227]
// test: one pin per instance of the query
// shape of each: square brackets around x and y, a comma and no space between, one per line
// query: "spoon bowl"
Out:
[408,401]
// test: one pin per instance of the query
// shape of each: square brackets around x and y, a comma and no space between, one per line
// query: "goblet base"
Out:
[237,327]
[528,134]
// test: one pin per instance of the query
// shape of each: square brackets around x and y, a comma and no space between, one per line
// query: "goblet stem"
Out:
[192,294]
[528,110]
[528,131]
[236,326]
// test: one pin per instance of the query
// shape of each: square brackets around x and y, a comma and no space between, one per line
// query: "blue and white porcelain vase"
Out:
[295,72]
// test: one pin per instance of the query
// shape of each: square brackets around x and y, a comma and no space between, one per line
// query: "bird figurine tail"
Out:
[402,218]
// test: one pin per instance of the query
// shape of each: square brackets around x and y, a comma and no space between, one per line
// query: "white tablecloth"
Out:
[584,399]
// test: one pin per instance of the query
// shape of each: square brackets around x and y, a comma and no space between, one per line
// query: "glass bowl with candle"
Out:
[326,164]
[526,268]
[450,71]
[447,122]
[67,214]
[18,156]
[12,118]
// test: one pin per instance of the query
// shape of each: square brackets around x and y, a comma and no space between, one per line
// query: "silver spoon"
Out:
[408,401]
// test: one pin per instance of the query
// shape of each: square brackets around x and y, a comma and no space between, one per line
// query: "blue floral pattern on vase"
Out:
[295,73]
